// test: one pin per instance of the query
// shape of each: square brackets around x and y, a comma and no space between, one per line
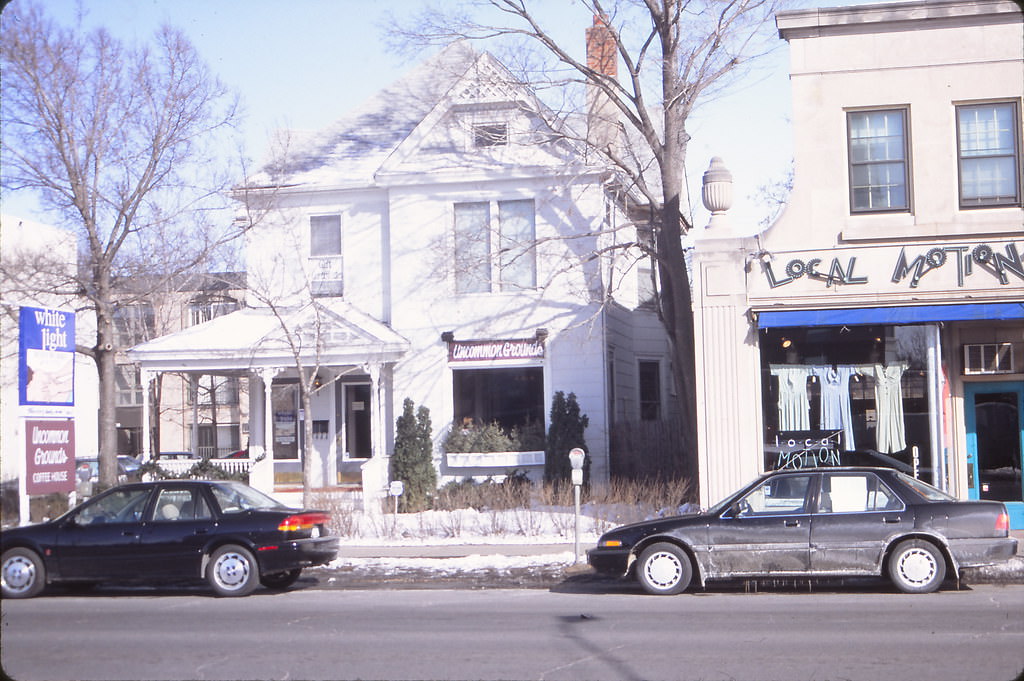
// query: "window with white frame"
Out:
[490,135]
[477,268]
[204,308]
[878,160]
[988,154]
[326,278]
[134,324]
[209,390]
[128,382]
[650,390]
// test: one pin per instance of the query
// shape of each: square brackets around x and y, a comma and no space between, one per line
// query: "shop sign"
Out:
[982,263]
[804,449]
[46,357]
[49,456]
[485,351]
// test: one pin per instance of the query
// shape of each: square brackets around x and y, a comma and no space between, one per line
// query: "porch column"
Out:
[145,378]
[261,424]
[377,423]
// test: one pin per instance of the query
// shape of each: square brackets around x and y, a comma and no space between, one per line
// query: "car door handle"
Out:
[201,530]
[890,520]
[129,533]
[792,523]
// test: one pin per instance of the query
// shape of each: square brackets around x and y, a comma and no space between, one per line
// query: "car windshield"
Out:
[234,497]
[924,489]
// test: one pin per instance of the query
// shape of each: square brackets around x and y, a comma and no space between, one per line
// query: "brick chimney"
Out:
[602,56]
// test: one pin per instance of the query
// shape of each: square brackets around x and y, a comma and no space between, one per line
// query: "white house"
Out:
[881,317]
[446,243]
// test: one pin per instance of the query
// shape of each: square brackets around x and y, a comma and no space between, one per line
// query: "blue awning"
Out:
[915,314]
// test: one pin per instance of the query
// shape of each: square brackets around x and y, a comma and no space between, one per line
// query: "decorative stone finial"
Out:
[717,191]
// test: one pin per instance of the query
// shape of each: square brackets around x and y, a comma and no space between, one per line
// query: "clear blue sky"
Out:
[303,63]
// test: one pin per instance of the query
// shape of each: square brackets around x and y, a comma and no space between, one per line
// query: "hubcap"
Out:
[917,566]
[663,570]
[19,573]
[231,570]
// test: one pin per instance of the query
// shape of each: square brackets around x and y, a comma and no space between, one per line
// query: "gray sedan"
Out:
[821,522]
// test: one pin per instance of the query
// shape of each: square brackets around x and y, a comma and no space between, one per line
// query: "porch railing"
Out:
[180,466]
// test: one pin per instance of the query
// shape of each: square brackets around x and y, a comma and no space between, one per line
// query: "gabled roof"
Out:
[252,338]
[401,121]
[350,150]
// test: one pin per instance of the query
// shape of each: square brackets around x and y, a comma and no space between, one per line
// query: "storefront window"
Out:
[512,398]
[850,395]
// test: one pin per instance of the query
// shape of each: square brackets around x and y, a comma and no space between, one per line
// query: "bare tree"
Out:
[120,143]
[675,54]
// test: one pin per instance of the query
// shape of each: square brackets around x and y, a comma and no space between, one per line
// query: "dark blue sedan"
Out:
[231,535]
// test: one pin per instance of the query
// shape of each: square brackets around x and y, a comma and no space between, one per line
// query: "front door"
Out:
[358,441]
[995,444]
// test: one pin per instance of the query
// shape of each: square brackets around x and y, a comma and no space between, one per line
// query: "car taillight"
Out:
[303,521]
[1003,523]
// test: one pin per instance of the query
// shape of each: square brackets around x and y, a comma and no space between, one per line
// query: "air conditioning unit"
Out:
[988,358]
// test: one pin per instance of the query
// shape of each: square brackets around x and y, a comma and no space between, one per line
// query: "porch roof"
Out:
[262,337]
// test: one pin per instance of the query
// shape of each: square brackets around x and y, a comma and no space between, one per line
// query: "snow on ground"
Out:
[467,540]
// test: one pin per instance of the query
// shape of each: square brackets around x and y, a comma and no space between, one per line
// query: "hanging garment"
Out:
[836,413]
[890,432]
[794,407]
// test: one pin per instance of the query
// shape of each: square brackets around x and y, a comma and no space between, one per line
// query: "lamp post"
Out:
[576,456]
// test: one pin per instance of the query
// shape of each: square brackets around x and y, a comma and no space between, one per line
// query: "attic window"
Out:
[490,135]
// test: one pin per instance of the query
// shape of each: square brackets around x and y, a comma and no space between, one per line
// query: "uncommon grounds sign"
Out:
[49,456]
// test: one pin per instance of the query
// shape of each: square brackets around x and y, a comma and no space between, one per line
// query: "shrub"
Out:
[565,431]
[413,459]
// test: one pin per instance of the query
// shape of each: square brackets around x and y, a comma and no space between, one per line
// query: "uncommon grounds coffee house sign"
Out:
[947,267]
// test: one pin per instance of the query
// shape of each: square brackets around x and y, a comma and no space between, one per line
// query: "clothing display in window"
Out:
[890,431]
[794,406]
[836,413]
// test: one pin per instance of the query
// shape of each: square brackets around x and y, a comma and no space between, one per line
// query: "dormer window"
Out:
[490,135]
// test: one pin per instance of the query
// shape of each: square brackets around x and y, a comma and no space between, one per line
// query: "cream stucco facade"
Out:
[924,264]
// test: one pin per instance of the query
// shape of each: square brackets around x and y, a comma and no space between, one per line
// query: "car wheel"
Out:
[917,567]
[23,574]
[232,571]
[664,569]
[280,580]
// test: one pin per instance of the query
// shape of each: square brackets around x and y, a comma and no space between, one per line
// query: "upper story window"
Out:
[988,153]
[490,135]
[326,277]
[128,382]
[205,308]
[477,268]
[134,324]
[878,160]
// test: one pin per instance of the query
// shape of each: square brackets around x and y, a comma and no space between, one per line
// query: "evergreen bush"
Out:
[413,459]
[565,431]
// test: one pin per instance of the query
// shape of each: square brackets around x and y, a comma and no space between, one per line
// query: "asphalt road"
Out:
[575,631]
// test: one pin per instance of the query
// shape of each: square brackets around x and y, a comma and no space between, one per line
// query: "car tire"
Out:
[232,571]
[280,580]
[664,569]
[23,574]
[917,566]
